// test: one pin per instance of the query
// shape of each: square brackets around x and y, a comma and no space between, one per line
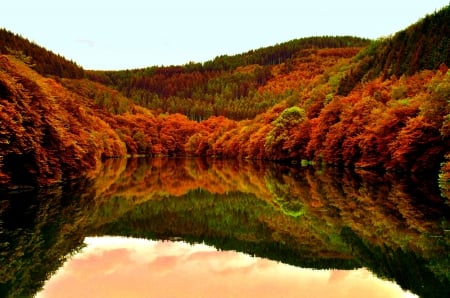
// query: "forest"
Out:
[347,102]
[227,85]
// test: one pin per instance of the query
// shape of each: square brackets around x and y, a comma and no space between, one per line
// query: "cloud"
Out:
[87,42]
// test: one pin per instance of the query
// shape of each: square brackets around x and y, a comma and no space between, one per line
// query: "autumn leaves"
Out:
[57,131]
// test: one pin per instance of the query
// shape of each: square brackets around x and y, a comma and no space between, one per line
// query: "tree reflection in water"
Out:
[395,226]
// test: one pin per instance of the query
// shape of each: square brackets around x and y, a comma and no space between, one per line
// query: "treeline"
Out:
[224,86]
[43,61]
[238,94]
[281,52]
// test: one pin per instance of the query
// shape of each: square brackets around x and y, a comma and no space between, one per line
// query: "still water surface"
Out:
[193,227]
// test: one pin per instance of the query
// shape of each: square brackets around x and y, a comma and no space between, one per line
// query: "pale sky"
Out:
[117,34]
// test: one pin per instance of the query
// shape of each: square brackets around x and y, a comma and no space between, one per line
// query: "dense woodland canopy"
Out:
[42,60]
[227,85]
[341,101]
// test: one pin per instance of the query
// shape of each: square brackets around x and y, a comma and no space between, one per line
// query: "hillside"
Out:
[385,108]
[229,86]
[424,45]
[43,61]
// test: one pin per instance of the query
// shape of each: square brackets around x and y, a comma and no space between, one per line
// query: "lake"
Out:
[209,227]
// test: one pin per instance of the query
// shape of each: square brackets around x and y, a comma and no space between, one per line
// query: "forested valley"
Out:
[381,105]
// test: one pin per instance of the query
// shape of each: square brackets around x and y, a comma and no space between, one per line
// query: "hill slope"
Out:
[44,62]
[227,85]
[424,45]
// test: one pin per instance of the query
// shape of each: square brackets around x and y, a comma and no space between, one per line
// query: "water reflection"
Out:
[398,227]
[127,267]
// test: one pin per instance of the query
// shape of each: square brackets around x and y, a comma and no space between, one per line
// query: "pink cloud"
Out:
[164,263]
[338,275]
[156,269]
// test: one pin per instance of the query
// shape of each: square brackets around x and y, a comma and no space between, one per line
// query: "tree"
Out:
[282,129]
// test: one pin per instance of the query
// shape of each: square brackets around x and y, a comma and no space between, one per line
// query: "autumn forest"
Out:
[347,102]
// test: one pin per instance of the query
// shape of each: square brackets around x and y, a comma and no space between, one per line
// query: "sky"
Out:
[118,34]
[126,267]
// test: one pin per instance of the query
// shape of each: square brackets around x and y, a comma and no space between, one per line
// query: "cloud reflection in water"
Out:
[128,267]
